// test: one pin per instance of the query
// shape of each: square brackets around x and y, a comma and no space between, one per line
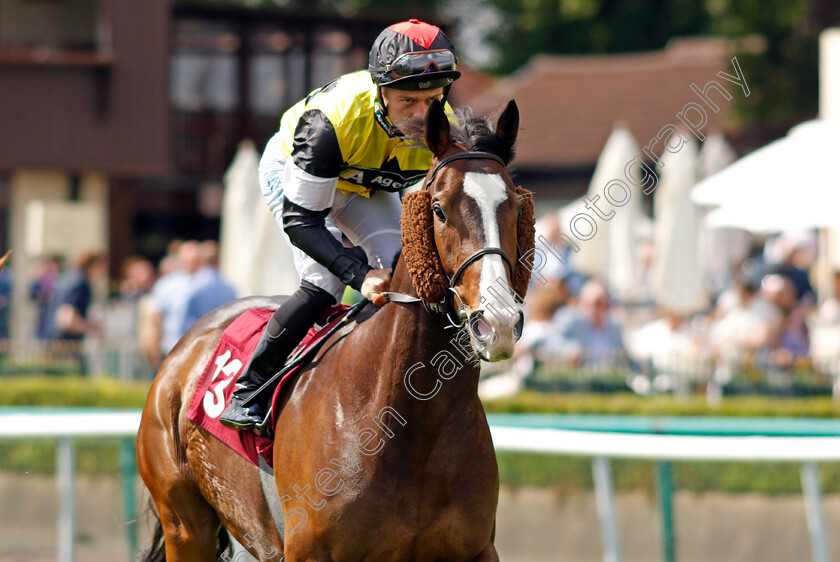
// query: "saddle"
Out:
[217,381]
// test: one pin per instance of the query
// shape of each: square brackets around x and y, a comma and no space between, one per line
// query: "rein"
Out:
[447,306]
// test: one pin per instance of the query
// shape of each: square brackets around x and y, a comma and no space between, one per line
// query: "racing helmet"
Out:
[413,55]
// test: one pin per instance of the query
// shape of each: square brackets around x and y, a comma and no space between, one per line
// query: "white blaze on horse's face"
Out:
[496,324]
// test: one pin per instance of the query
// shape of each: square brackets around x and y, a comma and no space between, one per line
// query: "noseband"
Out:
[448,306]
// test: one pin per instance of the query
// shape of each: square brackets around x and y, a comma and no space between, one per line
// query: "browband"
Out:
[460,156]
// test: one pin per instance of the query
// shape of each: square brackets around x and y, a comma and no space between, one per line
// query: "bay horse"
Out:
[385,422]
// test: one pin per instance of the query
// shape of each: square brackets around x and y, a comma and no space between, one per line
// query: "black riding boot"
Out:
[285,330]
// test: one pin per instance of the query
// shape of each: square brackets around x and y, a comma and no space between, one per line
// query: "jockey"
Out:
[335,168]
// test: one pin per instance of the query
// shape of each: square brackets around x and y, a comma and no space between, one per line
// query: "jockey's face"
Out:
[407,108]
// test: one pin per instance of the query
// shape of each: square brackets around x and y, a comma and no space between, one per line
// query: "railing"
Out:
[808,441]
[680,375]
[665,439]
[68,424]
[121,359]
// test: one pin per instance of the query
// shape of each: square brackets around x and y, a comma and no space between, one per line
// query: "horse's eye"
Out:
[439,212]
[519,211]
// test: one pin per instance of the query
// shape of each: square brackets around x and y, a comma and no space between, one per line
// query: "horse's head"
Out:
[467,233]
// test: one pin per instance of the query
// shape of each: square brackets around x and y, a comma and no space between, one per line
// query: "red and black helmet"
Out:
[413,55]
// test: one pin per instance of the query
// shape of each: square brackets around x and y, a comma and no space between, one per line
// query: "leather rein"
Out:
[448,306]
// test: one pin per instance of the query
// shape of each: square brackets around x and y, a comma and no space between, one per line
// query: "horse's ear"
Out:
[437,129]
[508,125]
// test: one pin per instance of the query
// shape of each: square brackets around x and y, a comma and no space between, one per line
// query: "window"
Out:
[54,30]
[204,69]
[276,67]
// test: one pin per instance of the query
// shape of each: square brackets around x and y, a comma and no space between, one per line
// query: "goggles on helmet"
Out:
[420,62]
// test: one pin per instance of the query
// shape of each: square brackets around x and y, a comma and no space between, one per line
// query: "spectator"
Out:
[745,325]
[587,335]
[208,289]
[169,297]
[5,300]
[825,336]
[170,263]
[548,228]
[46,273]
[540,306]
[138,278]
[789,342]
[73,296]
[672,348]
[130,316]
[794,260]
[71,300]
[542,303]
[767,330]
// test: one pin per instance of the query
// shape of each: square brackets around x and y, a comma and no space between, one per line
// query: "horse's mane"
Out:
[477,134]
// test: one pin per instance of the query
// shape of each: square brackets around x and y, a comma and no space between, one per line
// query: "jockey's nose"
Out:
[420,110]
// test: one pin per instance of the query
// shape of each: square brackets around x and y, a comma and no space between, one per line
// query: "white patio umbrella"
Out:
[676,279]
[252,253]
[624,275]
[790,184]
[611,253]
[720,248]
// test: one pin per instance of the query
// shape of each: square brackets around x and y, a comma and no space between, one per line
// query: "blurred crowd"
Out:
[144,312]
[766,319]
[764,322]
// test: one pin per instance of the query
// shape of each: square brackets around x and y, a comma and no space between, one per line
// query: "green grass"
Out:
[561,474]
[93,455]
[99,456]
[72,391]
[631,404]
[564,474]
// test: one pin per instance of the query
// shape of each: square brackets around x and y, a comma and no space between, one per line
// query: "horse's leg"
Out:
[489,554]
[189,523]
[190,527]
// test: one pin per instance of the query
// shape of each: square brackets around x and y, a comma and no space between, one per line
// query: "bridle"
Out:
[448,306]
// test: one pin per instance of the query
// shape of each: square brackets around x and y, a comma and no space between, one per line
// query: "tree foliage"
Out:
[783,73]
[590,26]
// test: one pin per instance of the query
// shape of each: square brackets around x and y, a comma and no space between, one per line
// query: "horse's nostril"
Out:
[480,327]
[517,328]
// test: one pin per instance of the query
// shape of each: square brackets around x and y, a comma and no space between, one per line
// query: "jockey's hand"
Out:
[376,282]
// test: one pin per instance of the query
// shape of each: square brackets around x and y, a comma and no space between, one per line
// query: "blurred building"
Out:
[569,105]
[119,118]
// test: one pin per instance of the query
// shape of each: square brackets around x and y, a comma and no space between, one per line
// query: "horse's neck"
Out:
[425,356]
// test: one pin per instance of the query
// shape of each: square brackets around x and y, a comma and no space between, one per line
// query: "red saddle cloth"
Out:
[218,380]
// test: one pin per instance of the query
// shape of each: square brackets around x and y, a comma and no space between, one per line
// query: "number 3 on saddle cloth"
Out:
[218,380]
